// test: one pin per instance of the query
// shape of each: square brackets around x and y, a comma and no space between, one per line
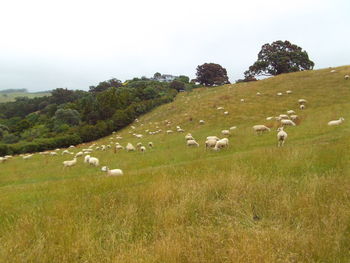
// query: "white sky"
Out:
[47,44]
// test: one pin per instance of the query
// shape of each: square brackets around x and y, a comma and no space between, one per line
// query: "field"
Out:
[252,202]
[6,97]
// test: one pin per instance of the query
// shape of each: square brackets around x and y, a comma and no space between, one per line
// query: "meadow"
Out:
[251,202]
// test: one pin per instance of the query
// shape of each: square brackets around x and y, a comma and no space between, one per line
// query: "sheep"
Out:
[70,163]
[3,159]
[213,138]
[269,118]
[242,100]
[220,108]
[302,101]
[143,149]
[258,93]
[281,136]
[66,152]
[225,132]
[233,128]
[139,136]
[302,107]
[130,147]
[201,122]
[94,161]
[289,92]
[79,154]
[279,94]
[139,144]
[188,137]
[72,146]
[260,128]
[86,158]
[346,77]
[169,131]
[221,144]
[288,122]
[113,172]
[150,144]
[210,143]
[192,143]
[53,153]
[290,112]
[336,122]
[180,130]
[27,156]
[333,70]
[283,116]
[294,117]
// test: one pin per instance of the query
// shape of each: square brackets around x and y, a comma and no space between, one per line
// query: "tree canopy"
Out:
[210,74]
[277,58]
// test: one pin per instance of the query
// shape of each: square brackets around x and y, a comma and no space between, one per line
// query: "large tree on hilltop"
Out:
[210,74]
[277,58]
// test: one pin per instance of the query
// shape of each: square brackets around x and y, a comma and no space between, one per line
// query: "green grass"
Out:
[252,202]
[7,97]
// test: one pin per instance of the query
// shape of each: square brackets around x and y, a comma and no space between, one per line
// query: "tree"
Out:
[178,85]
[157,75]
[277,58]
[67,116]
[210,74]
[183,79]
[104,85]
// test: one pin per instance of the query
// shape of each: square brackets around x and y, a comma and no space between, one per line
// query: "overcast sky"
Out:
[47,44]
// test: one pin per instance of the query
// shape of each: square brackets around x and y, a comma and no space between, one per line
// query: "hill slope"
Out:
[10,96]
[252,202]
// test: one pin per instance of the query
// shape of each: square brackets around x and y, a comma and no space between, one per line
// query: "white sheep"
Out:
[283,116]
[336,122]
[258,93]
[302,107]
[113,172]
[70,163]
[346,77]
[201,122]
[53,153]
[233,128]
[290,112]
[269,118]
[3,159]
[302,101]
[26,157]
[225,132]
[333,70]
[213,138]
[86,158]
[189,137]
[294,117]
[279,94]
[94,161]
[220,108]
[169,131]
[226,112]
[150,144]
[129,147]
[260,128]
[78,154]
[192,143]
[210,143]
[143,149]
[221,144]
[281,136]
[289,92]
[139,144]
[242,100]
[288,122]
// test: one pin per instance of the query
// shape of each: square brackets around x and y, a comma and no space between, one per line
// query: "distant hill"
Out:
[10,94]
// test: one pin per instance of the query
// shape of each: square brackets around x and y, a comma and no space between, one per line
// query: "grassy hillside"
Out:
[6,97]
[252,202]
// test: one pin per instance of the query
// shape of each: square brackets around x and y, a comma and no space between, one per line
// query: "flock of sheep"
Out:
[211,142]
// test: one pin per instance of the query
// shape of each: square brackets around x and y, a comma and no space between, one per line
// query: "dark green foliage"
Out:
[279,57]
[104,85]
[177,85]
[210,74]
[67,116]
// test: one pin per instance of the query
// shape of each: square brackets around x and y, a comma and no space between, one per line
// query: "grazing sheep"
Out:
[129,147]
[150,144]
[242,100]
[3,159]
[72,146]
[210,143]
[258,93]
[233,128]
[139,144]
[260,128]
[86,158]
[302,107]
[94,161]
[79,154]
[290,112]
[220,108]
[113,172]
[213,138]
[221,144]
[333,70]
[279,94]
[70,163]
[225,132]
[169,131]
[283,116]
[302,101]
[27,156]
[53,153]
[189,137]
[180,130]
[226,112]
[192,143]
[336,122]
[281,136]
[346,77]
[143,149]
[288,122]
[201,121]
[294,117]
[289,92]
[269,118]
